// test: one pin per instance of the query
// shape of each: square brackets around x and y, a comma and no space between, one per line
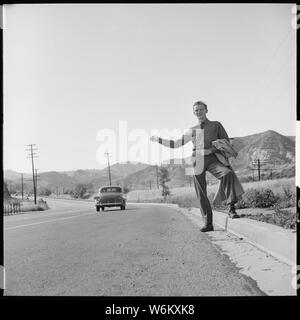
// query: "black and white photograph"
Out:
[149,151]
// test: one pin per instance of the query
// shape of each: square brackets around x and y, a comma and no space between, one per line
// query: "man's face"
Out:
[200,112]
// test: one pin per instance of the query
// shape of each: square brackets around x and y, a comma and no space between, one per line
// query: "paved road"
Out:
[144,251]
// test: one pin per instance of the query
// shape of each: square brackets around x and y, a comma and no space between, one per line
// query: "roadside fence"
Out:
[11,208]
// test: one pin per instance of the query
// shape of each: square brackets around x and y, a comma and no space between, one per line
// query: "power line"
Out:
[14,145]
[265,89]
[270,60]
[282,41]
[282,92]
[258,163]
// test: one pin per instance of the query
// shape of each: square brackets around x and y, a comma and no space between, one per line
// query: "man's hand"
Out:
[207,152]
[203,152]
[154,138]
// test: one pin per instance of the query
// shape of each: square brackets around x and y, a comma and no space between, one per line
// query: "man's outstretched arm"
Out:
[173,143]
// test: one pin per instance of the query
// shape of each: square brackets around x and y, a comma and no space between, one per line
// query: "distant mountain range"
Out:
[277,152]
[59,181]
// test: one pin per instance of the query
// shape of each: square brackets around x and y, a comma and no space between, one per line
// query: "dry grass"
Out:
[277,186]
[30,206]
[283,190]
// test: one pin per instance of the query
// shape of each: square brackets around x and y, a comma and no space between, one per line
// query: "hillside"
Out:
[13,175]
[6,194]
[60,181]
[277,152]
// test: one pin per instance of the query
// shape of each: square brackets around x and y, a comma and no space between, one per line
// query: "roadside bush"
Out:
[281,218]
[30,206]
[126,189]
[285,218]
[80,191]
[257,198]
[287,199]
[44,192]
[86,195]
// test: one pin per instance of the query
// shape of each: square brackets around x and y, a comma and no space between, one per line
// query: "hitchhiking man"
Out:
[211,147]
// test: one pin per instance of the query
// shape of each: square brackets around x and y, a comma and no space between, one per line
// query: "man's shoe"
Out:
[232,212]
[232,208]
[233,215]
[207,228]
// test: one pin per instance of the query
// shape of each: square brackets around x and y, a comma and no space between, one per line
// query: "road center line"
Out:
[35,223]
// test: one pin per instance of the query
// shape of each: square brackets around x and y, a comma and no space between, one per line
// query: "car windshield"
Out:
[110,189]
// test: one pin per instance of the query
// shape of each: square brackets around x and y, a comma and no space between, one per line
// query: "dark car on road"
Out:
[110,196]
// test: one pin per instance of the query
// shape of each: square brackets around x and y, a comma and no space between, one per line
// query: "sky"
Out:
[76,75]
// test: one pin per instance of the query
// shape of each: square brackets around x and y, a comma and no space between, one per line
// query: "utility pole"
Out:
[36,179]
[107,155]
[150,184]
[22,186]
[190,180]
[157,184]
[32,155]
[258,163]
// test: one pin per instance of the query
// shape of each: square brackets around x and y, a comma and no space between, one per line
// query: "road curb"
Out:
[277,241]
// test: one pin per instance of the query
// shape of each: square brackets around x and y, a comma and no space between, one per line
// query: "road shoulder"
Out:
[274,276]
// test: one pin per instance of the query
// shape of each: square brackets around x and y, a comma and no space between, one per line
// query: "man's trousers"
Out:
[221,172]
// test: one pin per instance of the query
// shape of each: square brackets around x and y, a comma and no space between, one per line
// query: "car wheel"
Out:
[122,207]
[102,208]
[98,208]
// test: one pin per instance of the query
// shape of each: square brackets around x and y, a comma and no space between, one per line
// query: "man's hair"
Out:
[200,103]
